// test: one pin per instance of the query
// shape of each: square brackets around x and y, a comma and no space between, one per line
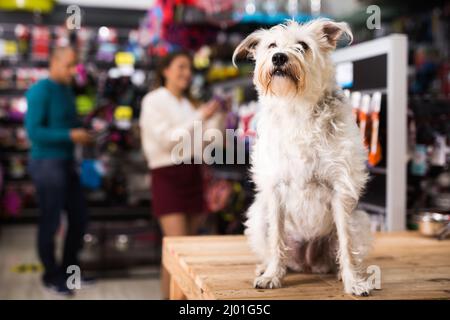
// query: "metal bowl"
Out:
[432,223]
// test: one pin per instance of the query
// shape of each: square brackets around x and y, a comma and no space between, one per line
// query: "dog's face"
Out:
[293,59]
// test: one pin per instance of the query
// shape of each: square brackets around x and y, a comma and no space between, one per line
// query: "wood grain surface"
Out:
[222,267]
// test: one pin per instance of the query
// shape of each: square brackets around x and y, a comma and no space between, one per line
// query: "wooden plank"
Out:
[175,291]
[222,267]
[184,281]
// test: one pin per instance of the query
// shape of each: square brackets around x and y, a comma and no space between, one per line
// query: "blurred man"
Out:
[52,127]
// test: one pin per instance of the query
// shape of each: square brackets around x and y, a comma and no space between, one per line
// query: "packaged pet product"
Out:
[18,109]
[12,203]
[419,165]
[17,167]
[40,43]
[8,49]
[107,48]
[440,150]
[224,99]
[137,185]
[62,36]
[355,101]
[133,45]
[22,142]
[84,36]
[6,138]
[347,93]
[23,78]
[4,107]
[91,174]
[122,117]
[375,147]
[363,115]
[22,34]
[6,78]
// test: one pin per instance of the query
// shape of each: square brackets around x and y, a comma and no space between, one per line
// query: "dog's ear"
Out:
[330,32]
[246,49]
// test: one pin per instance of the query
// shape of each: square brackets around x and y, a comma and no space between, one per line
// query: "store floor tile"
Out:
[20,273]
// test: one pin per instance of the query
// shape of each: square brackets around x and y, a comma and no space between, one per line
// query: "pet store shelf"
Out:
[393,57]
[372,207]
[371,91]
[229,172]
[232,83]
[15,152]
[119,213]
[377,170]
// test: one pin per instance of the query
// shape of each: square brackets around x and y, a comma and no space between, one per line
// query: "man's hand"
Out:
[81,136]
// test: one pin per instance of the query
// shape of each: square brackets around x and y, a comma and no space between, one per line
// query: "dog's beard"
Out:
[285,81]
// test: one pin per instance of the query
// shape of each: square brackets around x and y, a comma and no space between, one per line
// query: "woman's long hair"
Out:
[165,63]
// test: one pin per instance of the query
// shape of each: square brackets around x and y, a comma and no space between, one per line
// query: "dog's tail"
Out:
[359,228]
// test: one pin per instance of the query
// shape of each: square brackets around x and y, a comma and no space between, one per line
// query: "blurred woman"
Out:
[177,189]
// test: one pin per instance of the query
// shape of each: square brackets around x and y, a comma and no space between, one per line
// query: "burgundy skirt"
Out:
[177,188]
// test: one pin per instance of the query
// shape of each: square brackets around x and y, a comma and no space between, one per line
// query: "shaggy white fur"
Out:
[308,162]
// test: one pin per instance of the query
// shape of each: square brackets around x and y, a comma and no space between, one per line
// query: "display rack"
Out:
[28,211]
[393,68]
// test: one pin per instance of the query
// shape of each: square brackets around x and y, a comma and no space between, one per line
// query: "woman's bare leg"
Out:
[174,224]
[195,222]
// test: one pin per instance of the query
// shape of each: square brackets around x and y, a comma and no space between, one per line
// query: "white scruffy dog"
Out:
[308,162]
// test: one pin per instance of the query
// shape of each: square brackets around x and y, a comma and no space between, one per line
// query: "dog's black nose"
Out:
[279,59]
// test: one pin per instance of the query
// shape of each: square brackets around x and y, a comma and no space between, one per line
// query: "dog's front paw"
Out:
[360,288]
[264,282]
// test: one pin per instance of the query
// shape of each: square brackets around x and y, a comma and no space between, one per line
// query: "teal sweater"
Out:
[50,116]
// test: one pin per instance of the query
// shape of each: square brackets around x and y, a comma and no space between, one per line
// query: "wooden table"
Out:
[222,267]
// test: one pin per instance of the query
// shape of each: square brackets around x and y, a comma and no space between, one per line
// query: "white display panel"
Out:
[395,48]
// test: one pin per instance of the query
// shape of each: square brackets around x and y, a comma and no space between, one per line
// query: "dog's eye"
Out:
[272,45]
[303,45]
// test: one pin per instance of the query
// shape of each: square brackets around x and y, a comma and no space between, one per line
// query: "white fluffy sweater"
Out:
[161,115]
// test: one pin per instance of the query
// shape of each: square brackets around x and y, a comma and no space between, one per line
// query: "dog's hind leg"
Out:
[277,249]
[342,206]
